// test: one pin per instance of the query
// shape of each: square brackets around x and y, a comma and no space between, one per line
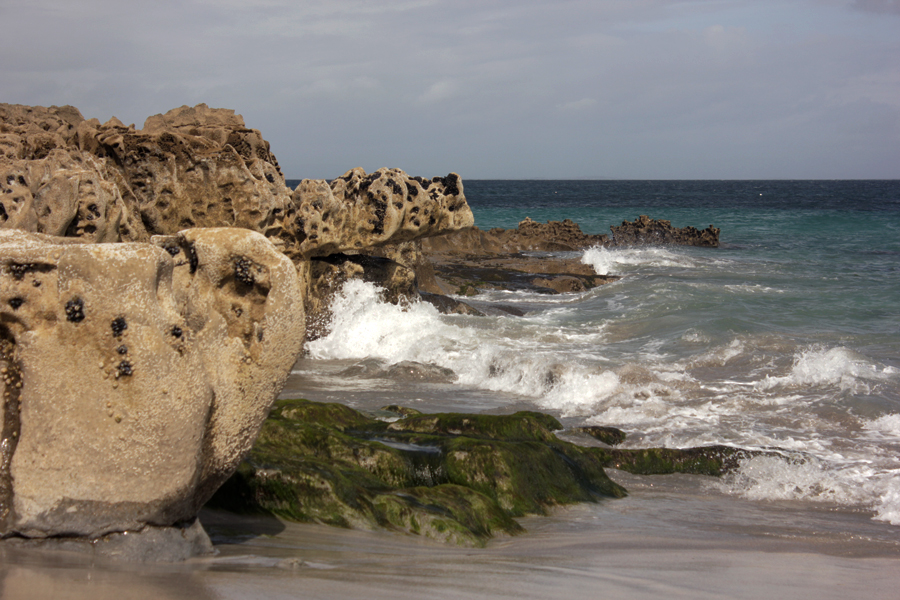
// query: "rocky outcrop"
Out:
[470,261]
[358,211]
[529,236]
[136,375]
[566,235]
[200,167]
[645,230]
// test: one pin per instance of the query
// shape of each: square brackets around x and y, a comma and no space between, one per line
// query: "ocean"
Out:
[785,337]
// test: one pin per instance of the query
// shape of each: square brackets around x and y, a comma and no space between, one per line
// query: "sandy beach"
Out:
[673,537]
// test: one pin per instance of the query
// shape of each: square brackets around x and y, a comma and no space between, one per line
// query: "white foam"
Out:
[606,261]
[559,367]
[807,478]
[829,367]
[887,426]
[773,478]
[693,336]
[888,505]
[364,326]
[752,289]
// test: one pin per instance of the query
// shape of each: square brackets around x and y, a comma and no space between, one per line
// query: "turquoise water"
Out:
[786,337]
[831,249]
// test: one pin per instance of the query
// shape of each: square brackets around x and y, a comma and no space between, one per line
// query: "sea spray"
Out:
[606,261]
[839,367]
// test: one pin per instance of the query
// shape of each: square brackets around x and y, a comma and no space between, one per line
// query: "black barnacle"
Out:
[75,310]
[123,349]
[176,331]
[18,271]
[242,271]
[118,326]
[15,303]
[124,369]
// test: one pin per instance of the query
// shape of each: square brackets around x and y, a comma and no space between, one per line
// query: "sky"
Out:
[490,89]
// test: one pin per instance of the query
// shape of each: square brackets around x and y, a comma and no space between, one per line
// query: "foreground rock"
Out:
[135,377]
[459,478]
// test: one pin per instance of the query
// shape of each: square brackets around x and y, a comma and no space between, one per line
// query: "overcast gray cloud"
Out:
[630,88]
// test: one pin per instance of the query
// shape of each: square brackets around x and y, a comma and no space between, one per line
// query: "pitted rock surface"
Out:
[135,375]
[357,211]
[200,167]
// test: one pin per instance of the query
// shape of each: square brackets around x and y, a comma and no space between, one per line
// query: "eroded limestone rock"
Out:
[200,167]
[135,376]
[357,211]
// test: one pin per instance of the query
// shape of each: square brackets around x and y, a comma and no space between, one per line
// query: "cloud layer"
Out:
[630,88]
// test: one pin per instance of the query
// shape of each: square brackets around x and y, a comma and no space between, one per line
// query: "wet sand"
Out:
[674,537]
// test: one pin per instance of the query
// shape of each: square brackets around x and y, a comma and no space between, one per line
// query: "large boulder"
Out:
[135,376]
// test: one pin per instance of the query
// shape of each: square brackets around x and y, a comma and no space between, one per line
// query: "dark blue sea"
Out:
[785,337]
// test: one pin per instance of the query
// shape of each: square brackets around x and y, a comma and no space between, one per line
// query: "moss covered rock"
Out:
[705,460]
[459,478]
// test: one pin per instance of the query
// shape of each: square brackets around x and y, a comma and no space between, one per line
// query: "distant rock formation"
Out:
[566,235]
[135,376]
[645,230]
[529,236]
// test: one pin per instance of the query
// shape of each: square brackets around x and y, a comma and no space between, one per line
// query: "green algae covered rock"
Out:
[519,427]
[706,460]
[457,478]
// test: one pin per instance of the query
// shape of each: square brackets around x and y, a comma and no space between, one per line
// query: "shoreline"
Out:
[662,541]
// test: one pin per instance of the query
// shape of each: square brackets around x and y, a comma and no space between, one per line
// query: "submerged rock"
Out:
[611,436]
[135,376]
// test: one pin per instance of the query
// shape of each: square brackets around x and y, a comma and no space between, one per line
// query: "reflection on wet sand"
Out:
[674,537]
